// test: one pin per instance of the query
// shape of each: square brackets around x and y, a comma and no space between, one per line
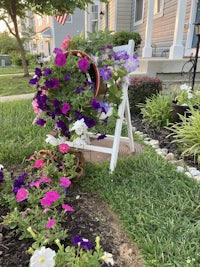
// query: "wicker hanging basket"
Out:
[92,71]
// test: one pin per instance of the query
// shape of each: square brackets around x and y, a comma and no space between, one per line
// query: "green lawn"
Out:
[158,207]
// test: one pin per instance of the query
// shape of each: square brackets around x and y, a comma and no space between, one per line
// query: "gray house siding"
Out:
[75,28]
[163,28]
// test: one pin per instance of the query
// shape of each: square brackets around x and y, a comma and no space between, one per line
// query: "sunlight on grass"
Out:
[158,207]
[15,85]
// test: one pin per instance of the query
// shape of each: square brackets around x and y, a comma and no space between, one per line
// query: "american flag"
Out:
[61,19]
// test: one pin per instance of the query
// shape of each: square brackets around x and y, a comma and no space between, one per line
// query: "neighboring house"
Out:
[166,27]
[50,34]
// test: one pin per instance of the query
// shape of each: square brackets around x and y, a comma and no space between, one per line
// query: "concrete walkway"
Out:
[16,97]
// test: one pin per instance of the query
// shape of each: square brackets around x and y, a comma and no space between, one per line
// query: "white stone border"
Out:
[191,172]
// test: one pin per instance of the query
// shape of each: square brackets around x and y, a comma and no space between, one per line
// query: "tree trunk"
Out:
[20,43]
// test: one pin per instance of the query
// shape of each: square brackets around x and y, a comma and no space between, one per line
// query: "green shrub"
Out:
[17,59]
[187,134]
[93,42]
[122,38]
[156,111]
[141,88]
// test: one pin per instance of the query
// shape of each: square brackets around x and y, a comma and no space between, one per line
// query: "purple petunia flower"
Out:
[104,107]
[66,77]
[95,104]
[57,51]
[60,59]
[83,64]
[101,136]
[47,72]
[131,63]
[61,124]
[80,89]
[41,100]
[107,48]
[83,243]
[52,84]
[121,55]
[56,103]
[40,122]
[89,122]
[1,177]
[105,73]
[33,80]
[19,182]
[38,72]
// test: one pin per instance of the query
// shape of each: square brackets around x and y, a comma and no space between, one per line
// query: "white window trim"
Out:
[142,19]
[161,13]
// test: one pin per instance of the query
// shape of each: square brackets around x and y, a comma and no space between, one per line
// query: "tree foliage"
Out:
[8,44]
[10,10]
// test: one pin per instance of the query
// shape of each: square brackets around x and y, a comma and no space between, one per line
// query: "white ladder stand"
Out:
[123,113]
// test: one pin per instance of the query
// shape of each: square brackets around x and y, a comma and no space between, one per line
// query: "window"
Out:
[39,20]
[158,8]
[139,10]
[69,18]
[94,17]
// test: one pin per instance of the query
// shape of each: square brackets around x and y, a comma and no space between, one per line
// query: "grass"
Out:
[158,207]
[14,84]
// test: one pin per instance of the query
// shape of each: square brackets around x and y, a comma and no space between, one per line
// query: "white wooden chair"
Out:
[123,113]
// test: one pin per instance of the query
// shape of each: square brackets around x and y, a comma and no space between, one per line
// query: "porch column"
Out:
[177,48]
[147,50]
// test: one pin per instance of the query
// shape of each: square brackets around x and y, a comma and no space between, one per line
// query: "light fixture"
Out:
[101,14]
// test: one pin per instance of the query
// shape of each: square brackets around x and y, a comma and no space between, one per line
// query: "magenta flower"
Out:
[52,195]
[83,64]
[21,195]
[65,182]
[39,163]
[60,59]
[46,202]
[63,148]
[50,223]
[65,108]
[67,207]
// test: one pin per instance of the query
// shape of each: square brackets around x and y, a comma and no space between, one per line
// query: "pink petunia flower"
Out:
[52,195]
[65,108]
[65,182]
[45,179]
[46,202]
[35,107]
[36,184]
[67,207]
[63,148]
[21,195]
[45,211]
[65,43]
[83,64]
[39,163]
[50,223]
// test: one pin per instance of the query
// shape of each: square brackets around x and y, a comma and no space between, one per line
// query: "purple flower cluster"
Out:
[82,243]
[19,182]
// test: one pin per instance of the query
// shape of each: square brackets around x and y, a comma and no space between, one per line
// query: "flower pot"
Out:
[179,109]
[92,71]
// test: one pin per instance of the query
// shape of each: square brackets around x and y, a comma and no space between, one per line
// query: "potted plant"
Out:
[184,98]
[67,89]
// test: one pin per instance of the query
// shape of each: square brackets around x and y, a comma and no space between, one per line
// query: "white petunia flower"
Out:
[79,127]
[108,258]
[104,115]
[185,87]
[43,257]
[52,140]
[1,167]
